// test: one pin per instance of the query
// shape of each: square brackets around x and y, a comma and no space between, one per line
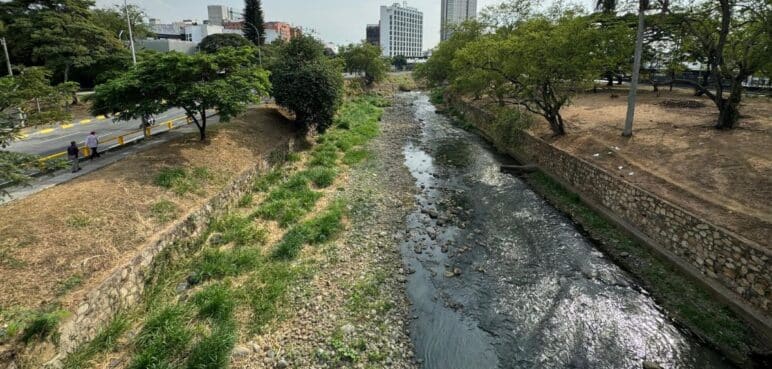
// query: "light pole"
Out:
[259,53]
[7,57]
[131,35]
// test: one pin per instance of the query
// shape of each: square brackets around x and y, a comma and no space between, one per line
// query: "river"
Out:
[500,279]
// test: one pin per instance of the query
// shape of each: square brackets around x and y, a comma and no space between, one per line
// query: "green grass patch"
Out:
[218,264]
[289,202]
[164,211]
[42,324]
[317,230]
[215,302]
[265,291]
[321,177]
[165,336]
[68,284]
[356,156]
[104,342]
[688,302]
[366,295]
[246,200]
[78,221]
[182,181]
[265,182]
[214,350]
[241,230]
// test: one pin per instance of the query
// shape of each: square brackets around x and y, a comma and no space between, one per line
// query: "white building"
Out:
[401,31]
[196,33]
[218,14]
[456,12]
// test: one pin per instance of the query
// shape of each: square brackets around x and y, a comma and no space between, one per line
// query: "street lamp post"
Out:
[131,35]
[259,53]
[7,57]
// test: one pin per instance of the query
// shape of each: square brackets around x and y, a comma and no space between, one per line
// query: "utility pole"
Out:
[259,53]
[131,35]
[628,131]
[7,57]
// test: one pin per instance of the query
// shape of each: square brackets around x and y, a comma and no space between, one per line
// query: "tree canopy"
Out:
[307,82]
[226,82]
[365,59]
[254,22]
[113,19]
[214,43]
[399,62]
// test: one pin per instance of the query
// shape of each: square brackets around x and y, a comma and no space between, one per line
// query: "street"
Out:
[53,140]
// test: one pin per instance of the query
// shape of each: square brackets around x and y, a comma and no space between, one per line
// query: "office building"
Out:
[401,31]
[373,35]
[456,12]
[219,14]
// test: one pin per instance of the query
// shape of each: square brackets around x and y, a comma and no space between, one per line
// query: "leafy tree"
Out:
[58,34]
[226,82]
[399,62]
[365,59]
[253,18]
[114,20]
[307,82]
[214,43]
[438,70]
[540,79]
[733,38]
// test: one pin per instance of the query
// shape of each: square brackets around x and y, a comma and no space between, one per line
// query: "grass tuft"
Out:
[240,230]
[289,202]
[164,336]
[315,231]
[182,181]
[104,342]
[215,302]
[42,324]
[321,177]
[164,211]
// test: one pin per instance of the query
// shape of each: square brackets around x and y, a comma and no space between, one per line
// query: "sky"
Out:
[337,21]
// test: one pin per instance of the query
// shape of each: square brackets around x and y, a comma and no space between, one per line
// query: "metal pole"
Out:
[7,57]
[131,36]
[628,131]
[259,53]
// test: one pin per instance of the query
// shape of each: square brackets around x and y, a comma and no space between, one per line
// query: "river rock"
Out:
[647,364]
[348,329]
[240,351]
[282,364]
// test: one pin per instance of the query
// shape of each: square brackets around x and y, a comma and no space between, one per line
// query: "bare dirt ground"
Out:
[67,238]
[723,176]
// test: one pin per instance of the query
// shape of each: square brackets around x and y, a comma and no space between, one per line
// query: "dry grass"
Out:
[724,176]
[88,226]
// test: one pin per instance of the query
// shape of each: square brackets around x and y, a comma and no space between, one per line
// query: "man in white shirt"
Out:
[92,142]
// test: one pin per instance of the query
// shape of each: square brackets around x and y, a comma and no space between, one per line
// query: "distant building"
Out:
[296,32]
[196,33]
[401,31]
[218,14]
[168,45]
[236,27]
[277,31]
[374,34]
[174,31]
[455,12]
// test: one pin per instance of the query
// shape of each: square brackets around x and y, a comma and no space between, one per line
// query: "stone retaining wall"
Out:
[740,265]
[125,286]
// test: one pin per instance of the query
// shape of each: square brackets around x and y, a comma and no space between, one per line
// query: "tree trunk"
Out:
[202,127]
[610,77]
[729,108]
[628,131]
[705,80]
[67,72]
[556,124]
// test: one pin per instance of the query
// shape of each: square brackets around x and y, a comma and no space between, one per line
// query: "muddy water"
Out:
[499,279]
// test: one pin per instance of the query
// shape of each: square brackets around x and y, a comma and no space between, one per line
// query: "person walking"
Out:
[72,154]
[92,142]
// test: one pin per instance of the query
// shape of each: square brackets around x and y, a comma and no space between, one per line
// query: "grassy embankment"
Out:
[687,302]
[197,308]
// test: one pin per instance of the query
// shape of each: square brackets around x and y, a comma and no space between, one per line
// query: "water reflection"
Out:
[502,280]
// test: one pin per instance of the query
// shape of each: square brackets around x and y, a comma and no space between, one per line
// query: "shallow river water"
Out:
[500,279]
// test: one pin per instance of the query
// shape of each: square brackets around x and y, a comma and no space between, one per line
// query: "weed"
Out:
[246,200]
[105,341]
[164,211]
[68,284]
[215,302]
[365,295]
[315,231]
[321,177]
[42,324]
[78,221]
[167,177]
[264,183]
[214,351]
[182,181]
[240,230]
[266,289]
[164,336]
[356,156]
[217,264]
[293,157]
[289,202]
[324,155]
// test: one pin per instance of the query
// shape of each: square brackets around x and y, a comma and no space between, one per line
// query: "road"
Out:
[53,140]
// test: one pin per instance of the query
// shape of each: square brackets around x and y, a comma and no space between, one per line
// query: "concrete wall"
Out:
[741,266]
[168,45]
[123,289]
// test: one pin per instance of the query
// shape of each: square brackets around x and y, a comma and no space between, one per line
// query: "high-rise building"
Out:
[401,31]
[455,12]
[218,14]
[374,34]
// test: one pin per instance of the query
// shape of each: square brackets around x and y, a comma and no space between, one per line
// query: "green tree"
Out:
[58,34]
[226,82]
[307,82]
[254,19]
[365,59]
[114,20]
[540,79]
[438,70]
[214,43]
[399,62]
[733,38]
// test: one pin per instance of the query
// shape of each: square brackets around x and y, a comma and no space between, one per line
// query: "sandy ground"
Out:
[724,176]
[71,236]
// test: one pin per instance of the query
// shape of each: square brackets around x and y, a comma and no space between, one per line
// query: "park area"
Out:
[722,176]
[63,241]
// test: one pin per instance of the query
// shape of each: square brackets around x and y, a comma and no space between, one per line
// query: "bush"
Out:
[307,83]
